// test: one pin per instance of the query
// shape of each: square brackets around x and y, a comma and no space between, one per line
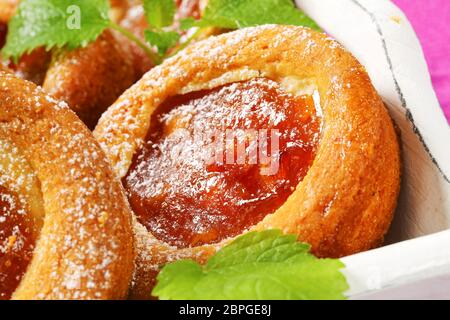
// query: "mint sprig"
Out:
[71,24]
[235,14]
[162,40]
[55,23]
[259,265]
[159,13]
[187,23]
[62,23]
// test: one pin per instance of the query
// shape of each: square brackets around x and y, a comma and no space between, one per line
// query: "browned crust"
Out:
[90,79]
[85,247]
[345,203]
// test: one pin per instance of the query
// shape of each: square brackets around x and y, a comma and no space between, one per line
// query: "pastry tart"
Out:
[330,172]
[89,79]
[65,229]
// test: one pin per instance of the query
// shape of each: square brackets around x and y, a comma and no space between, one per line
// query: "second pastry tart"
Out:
[301,142]
[65,227]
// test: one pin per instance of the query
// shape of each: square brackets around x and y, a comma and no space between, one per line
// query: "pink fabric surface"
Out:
[430,19]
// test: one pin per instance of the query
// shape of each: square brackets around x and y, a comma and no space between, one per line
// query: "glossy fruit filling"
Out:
[216,162]
[16,242]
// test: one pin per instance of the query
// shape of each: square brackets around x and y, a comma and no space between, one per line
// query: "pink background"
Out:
[431,19]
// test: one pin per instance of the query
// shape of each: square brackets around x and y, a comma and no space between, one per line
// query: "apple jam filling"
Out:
[16,242]
[216,162]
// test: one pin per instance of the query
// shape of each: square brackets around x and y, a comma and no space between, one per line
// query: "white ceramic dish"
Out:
[415,263]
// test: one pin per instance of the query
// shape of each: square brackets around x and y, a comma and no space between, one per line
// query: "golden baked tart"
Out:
[65,229]
[89,79]
[273,127]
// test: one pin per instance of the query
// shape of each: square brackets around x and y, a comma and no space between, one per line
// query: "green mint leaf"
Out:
[187,23]
[159,13]
[162,40]
[259,265]
[55,23]
[234,14]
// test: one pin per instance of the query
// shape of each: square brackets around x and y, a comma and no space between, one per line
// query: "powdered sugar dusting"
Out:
[86,215]
[185,199]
